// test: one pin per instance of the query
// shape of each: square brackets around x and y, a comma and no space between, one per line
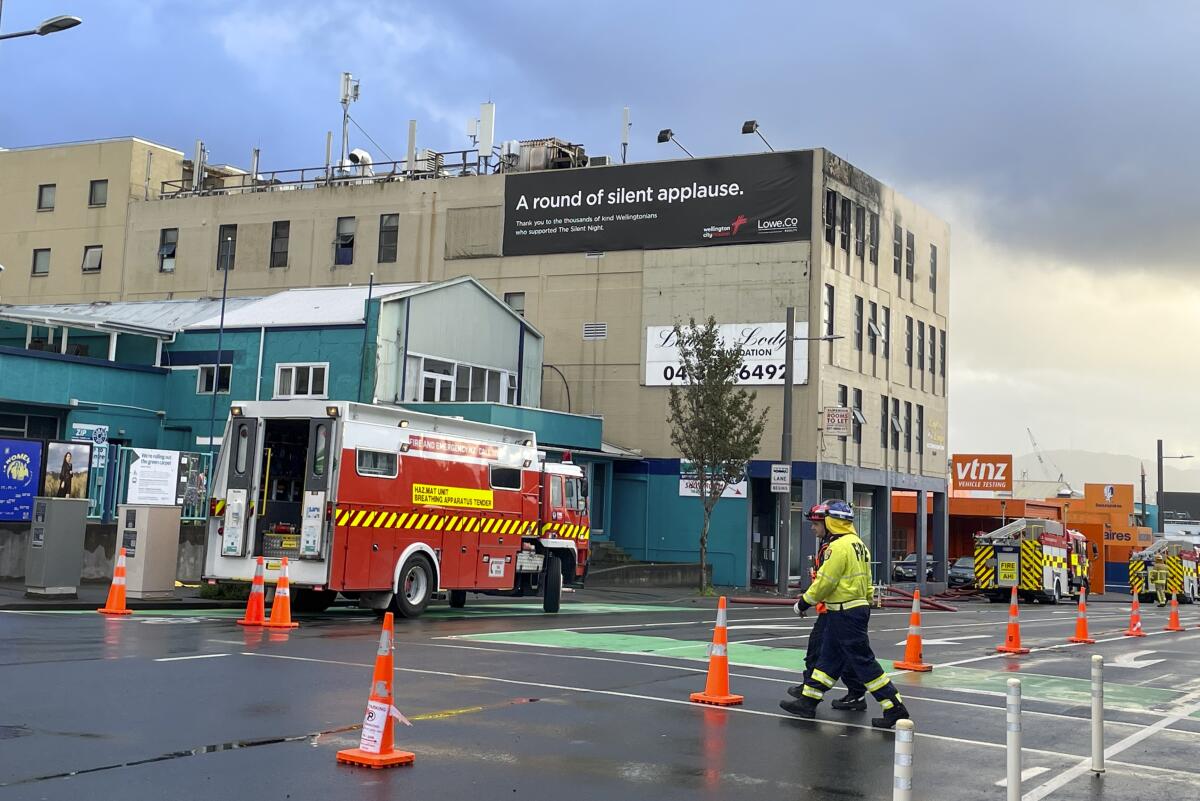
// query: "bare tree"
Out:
[714,423]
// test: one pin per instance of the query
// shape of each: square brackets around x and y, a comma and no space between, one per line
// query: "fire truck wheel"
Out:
[458,598]
[552,584]
[414,590]
[1053,597]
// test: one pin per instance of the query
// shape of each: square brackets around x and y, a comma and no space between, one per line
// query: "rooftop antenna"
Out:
[473,130]
[625,125]
[349,95]
[487,133]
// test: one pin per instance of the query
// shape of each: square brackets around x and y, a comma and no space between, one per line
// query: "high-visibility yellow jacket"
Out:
[845,575]
[1158,575]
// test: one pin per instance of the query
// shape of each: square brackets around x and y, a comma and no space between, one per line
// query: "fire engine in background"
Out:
[1038,557]
[390,506]
[1182,559]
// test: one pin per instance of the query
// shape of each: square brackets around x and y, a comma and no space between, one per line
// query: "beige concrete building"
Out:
[597,274]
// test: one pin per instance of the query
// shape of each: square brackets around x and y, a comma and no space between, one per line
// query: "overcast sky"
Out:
[1059,140]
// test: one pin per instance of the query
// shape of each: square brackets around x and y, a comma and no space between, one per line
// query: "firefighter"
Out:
[1158,577]
[843,583]
[855,698]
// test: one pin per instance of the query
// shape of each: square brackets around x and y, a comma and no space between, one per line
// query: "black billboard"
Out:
[731,200]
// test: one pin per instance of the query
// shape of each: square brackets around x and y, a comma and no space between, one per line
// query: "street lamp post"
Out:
[1160,496]
[47,26]
[784,502]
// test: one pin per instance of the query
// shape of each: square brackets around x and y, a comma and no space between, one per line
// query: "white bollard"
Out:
[1014,739]
[1097,714]
[902,782]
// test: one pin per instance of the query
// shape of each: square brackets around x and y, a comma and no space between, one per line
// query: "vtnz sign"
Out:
[982,471]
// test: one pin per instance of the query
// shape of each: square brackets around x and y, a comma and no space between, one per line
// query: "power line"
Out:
[364,133]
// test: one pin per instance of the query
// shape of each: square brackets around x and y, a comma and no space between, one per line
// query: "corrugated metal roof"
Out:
[148,317]
[341,305]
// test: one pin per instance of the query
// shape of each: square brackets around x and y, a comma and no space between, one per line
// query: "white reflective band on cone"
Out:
[716,650]
[721,617]
[385,643]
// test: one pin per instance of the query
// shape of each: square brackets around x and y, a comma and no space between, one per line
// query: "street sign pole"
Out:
[784,501]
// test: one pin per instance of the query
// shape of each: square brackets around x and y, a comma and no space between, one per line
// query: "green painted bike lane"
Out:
[1057,689]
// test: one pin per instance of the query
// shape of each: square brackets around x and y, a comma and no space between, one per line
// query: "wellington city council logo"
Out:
[16,468]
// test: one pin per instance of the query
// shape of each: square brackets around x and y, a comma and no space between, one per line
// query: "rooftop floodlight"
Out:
[667,135]
[751,127]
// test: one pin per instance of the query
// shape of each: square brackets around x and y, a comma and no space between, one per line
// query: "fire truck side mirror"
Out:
[1095,551]
[583,488]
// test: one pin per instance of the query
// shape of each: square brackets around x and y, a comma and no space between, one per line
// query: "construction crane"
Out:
[1037,451]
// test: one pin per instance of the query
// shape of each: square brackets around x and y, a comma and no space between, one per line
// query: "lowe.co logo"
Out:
[783,225]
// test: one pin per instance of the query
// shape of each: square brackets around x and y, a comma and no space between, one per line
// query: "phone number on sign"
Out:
[757,372]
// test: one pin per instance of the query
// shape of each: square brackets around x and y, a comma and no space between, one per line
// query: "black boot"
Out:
[804,707]
[890,716]
[851,702]
[796,691]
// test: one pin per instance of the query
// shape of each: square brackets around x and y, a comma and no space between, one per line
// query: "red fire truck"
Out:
[391,506]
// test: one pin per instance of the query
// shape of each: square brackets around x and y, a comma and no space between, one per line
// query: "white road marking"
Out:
[955,641]
[1185,707]
[1043,649]
[1026,775]
[1131,660]
[196,656]
[734,710]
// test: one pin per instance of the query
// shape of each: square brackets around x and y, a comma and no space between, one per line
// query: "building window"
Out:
[389,235]
[829,310]
[932,349]
[897,248]
[378,464]
[920,430]
[281,232]
[443,381]
[93,256]
[910,254]
[842,400]
[831,207]
[168,239]
[942,355]
[860,230]
[301,380]
[845,221]
[343,245]
[873,327]
[908,341]
[205,379]
[874,241]
[858,322]
[30,426]
[516,302]
[98,193]
[226,247]
[895,424]
[885,329]
[933,268]
[883,422]
[920,346]
[908,427]
[857,415]
[45,198]
[41,261]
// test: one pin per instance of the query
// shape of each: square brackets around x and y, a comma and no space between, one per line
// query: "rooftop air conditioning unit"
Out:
[599,161]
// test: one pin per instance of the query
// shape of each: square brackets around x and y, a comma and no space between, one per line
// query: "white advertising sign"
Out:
[837,421]
[153,475]
[689,484]
[762,353]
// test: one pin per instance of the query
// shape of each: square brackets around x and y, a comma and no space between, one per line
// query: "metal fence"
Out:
[108,486]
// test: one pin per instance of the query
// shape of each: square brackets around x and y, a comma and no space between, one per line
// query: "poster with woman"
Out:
[67,465]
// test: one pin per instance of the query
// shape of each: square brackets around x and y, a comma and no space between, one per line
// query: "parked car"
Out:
[906,569]
[962,572]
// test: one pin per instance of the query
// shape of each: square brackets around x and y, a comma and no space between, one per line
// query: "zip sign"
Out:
[781,478]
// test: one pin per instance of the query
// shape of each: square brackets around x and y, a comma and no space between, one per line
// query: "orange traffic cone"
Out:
[254,604]
[1135,619]
[716,689]
[1012,639]
[375,745]
[914,659]
[115,605]
[1081,627]
[1173,622]
[281,607]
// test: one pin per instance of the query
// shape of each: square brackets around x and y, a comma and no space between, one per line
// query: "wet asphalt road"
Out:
[588,704]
